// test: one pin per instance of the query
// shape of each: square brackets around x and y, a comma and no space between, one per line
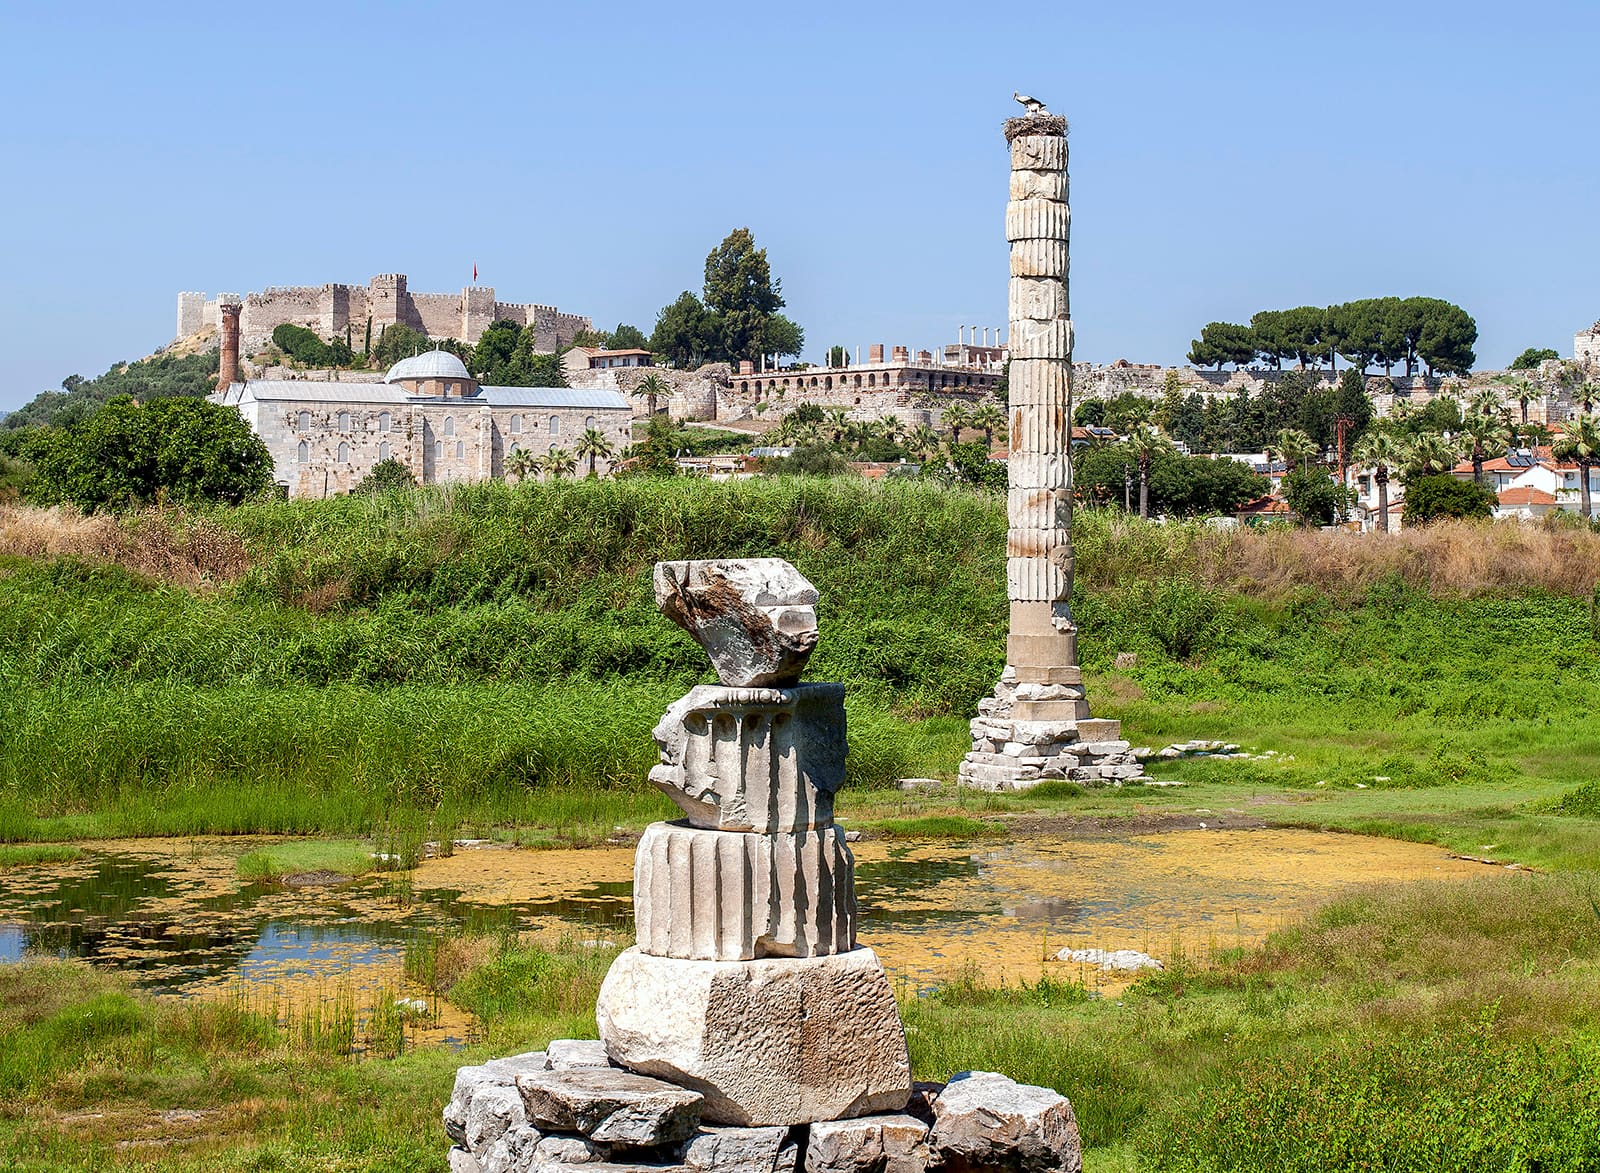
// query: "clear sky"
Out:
[1226,158]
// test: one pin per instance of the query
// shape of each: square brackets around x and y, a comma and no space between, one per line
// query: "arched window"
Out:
[438,449]
[872,380]
[858,380]
[384,422]
[827,383]
[588,421]
[344,421]
[461,449]
[302,423]
[344,454]
[552,450]
[516,425]
[449,425]
[515,447]
[383,451]
[555,425]
[305,452]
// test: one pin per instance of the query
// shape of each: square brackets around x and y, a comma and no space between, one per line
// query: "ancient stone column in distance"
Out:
[1037,724]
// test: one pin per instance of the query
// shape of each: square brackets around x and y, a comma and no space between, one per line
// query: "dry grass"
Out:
[1443,559]
[168,545]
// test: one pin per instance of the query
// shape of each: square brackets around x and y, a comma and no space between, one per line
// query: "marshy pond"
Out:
[175,916]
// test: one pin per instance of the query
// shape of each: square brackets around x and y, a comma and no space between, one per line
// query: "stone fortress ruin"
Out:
[332,310]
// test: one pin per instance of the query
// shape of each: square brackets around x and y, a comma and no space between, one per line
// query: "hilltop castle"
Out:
[332,309]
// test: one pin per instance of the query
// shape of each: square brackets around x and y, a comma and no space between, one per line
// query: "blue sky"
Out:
[1225,159]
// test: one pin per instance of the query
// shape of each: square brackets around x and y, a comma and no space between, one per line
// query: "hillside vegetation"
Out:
[474,649]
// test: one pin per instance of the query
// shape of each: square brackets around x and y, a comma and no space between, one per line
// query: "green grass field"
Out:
[487,660]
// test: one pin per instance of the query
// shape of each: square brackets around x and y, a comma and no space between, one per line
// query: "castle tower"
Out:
[1037,726]
[228,371]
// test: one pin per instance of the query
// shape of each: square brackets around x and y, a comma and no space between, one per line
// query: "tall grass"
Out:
[473,652]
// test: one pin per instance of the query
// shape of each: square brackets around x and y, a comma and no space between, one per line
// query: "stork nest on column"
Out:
[1051,124]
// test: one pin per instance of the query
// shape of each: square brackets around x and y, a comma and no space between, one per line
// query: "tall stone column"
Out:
[1037,724]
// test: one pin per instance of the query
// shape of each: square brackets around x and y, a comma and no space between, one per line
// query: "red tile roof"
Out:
[1526,495]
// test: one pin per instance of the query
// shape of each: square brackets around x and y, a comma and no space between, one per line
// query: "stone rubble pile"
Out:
[747,1031]
[542,1113]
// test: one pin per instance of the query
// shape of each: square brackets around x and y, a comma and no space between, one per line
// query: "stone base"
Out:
[1029,733]
[779,1041]
[512,1116]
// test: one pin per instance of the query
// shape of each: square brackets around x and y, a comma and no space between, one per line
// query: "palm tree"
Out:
[650,389]
[1293,445]
[923,442]
[1581,443]
[522,464]
[1486,401]
[594,445]
[1522,390]
[1144,442]
[988,419]
[1481,434]
[1382,451]
[837,424]
[559,463]
[957,416]
[1429,454]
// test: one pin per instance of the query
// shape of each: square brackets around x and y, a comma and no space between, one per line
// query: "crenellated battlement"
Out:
[335,307]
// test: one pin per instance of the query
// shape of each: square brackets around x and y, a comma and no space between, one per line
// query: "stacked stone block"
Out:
[1037,724]
[747,1032]
[747,984]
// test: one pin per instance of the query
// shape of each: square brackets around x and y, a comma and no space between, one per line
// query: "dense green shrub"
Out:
[181,450]
[1431,498]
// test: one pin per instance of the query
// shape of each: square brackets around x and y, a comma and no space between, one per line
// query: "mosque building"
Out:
[428,413]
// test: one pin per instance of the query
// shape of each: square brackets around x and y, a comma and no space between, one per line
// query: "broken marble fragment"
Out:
[755,617]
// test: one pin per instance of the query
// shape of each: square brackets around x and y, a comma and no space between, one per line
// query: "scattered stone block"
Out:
[610,1106]
[513,1152]
[895,1143]
[771,1041]
[1099,729]
[1125,960]
[469,1080]
[724,1149]
[1106,748]
[462,1161]
[755,617]
[565,1054]
[567,1150]
[493,1111]
[987,1123]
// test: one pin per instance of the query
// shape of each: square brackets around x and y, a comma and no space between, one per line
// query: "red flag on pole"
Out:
[474,272]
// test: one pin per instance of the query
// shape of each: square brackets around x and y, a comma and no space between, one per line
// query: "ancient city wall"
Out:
[331,309]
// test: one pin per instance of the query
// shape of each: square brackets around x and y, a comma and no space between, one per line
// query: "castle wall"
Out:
[437,315]
[1586,346]
[191,314]
[329,309]
[264,312]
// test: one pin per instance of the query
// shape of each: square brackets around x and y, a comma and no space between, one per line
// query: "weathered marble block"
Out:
[729,896]
[754,759]
[755,617]
[771,1041]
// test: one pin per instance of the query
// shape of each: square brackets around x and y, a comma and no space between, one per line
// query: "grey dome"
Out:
[432,364]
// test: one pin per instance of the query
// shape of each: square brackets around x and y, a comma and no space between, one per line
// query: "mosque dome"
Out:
[432,364]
